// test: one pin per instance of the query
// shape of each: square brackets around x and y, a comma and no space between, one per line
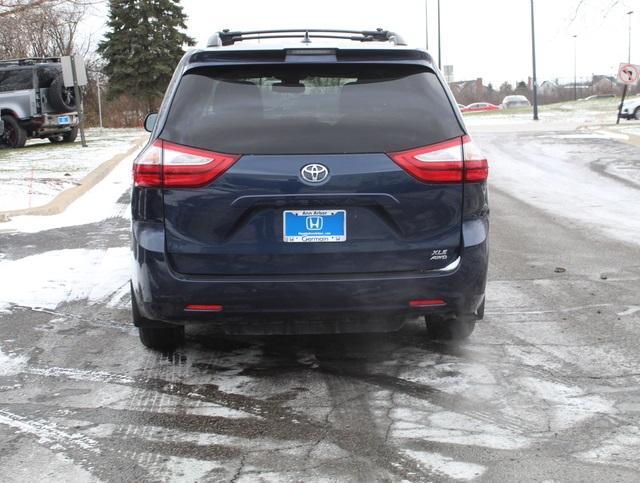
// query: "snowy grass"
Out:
[598,111]
[95,205]
[34,175]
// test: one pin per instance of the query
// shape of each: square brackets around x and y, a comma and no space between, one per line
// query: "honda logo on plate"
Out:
[314,173]
[314,223]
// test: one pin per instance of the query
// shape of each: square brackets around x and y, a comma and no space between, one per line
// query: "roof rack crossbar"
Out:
[229,37]
[30,61]
[322,36]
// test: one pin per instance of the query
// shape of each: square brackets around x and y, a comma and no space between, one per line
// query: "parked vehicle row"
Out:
[509,102]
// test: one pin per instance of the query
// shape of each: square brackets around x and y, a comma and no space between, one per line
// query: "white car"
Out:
[631,109]
[514,101]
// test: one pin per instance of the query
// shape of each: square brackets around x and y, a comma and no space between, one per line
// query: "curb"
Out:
[68,196]
[633,139]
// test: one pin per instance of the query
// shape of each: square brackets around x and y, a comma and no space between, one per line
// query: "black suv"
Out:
[34,102]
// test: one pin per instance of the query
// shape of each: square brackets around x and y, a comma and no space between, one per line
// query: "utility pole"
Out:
[629,14]
[99,99]
[533,55]
[439,47]
[426,22]
[575,69]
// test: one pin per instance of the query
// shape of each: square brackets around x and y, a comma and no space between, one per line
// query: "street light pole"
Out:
[426,21]
[533,55]
[439,49]
[629,14]
[575,63]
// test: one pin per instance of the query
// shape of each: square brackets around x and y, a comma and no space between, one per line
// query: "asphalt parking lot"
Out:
[547,388]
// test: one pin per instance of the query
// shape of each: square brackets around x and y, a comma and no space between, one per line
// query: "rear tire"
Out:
[154,334]
[440,328]
[636,114]
[14,135]
[165,339]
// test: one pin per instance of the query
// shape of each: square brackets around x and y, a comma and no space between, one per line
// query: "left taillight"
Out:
[168,165]
[455,161]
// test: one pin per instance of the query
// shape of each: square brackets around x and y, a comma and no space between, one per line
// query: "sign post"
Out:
[627,74]
[74,74]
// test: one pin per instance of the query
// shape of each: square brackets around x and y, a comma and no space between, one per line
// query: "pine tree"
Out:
[142,47]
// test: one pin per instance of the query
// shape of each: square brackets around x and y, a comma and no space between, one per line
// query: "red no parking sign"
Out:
[628,73]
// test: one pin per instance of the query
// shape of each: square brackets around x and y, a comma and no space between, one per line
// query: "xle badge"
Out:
[439,254]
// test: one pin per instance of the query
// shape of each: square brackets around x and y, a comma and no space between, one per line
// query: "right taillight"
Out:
[169,165]
[476,167]
[455,161]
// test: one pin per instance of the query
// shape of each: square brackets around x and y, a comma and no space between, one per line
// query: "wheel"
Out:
[70,136]
[154,334]
[67,137]
[165,338]
[636,114]
[61,98]
[14,135]
[449,329]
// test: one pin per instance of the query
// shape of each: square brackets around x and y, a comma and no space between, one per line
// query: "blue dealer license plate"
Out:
[64,120]
[315,226]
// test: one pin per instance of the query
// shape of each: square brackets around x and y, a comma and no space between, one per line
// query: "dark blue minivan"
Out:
[310,187]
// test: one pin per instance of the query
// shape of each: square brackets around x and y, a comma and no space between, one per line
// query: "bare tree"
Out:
[42,31]
[11,7]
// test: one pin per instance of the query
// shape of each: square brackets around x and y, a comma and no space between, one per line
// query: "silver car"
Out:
[510,102]
[35,102]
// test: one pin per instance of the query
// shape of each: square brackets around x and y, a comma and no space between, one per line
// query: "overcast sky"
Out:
[480,38]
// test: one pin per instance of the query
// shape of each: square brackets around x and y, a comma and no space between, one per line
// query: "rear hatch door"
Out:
[307,171]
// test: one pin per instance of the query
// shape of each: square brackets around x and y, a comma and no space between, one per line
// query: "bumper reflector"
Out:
[426,303]
[204,308]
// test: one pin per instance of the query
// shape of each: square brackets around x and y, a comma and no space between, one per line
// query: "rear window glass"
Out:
[310,109]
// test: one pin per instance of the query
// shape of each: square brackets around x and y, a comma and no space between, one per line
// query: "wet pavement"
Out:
[547,388]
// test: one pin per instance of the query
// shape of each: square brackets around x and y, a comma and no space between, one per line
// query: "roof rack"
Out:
[31,61]
[229,37]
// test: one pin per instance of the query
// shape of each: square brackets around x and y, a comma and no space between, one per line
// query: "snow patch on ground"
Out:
[630,311]
[556,179]
[182,469]
[48,433]
[34,175]
[47,279]
[621,448]
[454,428]
[98,204]
[458,470]
[11,364]
[568,405]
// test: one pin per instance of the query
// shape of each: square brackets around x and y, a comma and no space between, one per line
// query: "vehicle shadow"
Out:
[352,355]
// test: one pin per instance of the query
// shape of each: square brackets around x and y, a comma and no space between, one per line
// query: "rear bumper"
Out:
[162,294]
[47,124]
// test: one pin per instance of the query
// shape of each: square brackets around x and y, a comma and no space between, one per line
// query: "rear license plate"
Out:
[64,120]
[315,226]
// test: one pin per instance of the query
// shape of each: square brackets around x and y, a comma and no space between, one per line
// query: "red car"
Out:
[480,106]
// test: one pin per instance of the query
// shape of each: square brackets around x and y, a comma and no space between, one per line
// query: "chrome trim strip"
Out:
[449,268]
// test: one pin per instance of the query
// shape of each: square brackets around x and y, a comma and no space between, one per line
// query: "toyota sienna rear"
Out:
[306,188]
